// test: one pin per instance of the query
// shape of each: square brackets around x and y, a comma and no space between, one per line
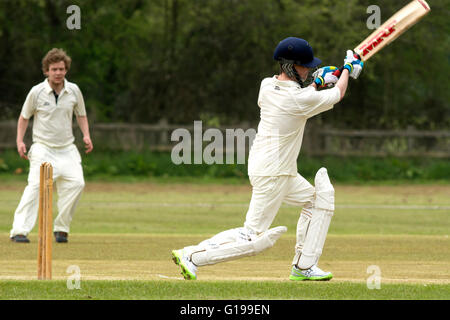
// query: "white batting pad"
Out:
[324,191]
[322,213]
[208,253]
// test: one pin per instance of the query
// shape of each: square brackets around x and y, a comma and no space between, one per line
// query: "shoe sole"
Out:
[184,271]
[303,278]
[20,241]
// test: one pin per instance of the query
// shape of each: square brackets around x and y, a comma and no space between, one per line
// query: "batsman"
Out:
[286,102]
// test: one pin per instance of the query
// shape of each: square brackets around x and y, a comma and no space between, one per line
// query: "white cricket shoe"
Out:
[188,269]
[313,273]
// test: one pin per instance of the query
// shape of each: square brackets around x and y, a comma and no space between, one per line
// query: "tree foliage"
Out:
[184,60]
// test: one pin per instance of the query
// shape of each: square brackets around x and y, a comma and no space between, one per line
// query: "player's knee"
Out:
[33,185]
[324,190]
[79,184]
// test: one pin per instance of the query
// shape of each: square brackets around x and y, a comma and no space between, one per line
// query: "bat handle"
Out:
[339,72]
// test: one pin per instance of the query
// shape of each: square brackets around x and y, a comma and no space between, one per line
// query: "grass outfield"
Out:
[122,235]
[217,290]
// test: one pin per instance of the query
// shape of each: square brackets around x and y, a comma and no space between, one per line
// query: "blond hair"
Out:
[53,56]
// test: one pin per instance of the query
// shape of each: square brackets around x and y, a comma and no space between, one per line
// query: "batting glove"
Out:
[326,76]
[353,64]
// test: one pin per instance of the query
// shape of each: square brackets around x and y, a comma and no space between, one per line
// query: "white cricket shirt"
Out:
[285,107]
[52,122]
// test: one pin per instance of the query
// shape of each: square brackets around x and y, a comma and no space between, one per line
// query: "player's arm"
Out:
[28,110]
[82,120]
[22,125]
[316,102]
[84,127]
[352,68]
[342,83]
[327,76]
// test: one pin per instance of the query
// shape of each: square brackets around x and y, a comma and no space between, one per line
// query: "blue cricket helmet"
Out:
[297,51]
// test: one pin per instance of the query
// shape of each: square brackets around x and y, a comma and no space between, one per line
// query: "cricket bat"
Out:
[401,21]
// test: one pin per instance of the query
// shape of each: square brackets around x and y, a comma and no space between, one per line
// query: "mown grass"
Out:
[198,209]
[217,290]
[125,231]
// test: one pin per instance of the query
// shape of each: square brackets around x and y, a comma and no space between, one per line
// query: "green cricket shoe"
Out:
[314,274]
[188,269]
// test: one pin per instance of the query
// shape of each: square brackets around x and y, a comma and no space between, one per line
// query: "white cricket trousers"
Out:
[268,194]
[69,184]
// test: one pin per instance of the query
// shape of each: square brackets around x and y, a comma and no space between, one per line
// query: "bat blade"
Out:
[401,21]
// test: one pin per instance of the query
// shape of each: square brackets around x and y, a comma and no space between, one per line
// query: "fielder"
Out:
[52,103]
[286,102]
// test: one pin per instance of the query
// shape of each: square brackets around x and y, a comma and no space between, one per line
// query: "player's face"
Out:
[56,72]
[302,72]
